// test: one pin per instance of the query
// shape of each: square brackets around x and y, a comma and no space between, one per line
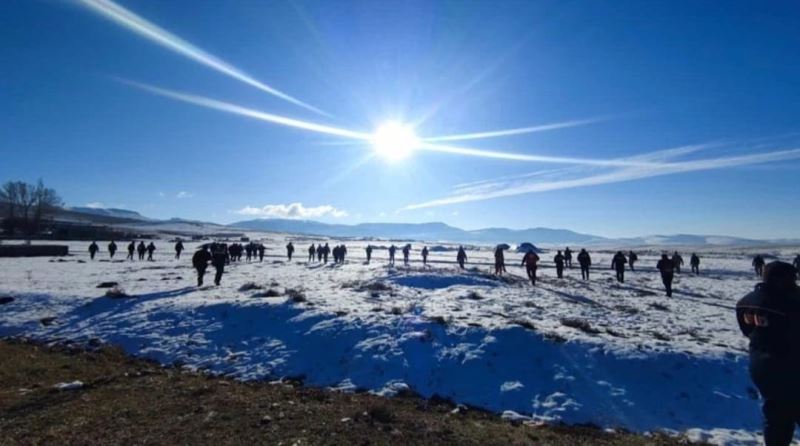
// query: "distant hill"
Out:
[418,231]
[109,212]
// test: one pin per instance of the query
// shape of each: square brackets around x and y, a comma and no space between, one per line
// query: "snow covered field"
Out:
[616,355]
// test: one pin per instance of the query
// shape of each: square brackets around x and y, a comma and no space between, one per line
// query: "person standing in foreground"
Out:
[667,269]
[694,262]
[559,261]
[770,318]
[311,251]
[796,263]
[141,250]
[131,250]
[531,262]
[406,252]
[112,249]
[585,261]
[425,256]
[200,261]
[368,249]
[568,257]
[392,250]
[618,264]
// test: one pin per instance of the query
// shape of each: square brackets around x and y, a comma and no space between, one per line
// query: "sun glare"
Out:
[394,141]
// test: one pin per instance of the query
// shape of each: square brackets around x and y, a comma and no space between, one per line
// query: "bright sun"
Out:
[394,141]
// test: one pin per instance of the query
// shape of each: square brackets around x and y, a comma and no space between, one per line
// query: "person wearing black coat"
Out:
[559,261]
[112,249]
[141,249]
[219,257]
[666,267]
[200,261]
[618,263]
[93,248]
[311,251]
[585,261]
[694,262]
[632,258]
[368,249]
[461,257]
[770,318]
[178,249]
[151,248]
[289,250]
[131,250]
[758,265]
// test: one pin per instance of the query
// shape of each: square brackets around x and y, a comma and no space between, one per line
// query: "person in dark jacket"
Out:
[151,248]
[112,249]
[585,261]
[677,260]
[559,261]
[770,318]
[618,263]
[368,249]
[392,250]
[632,258]
[461,257]
[796,263]
[531,263]
[666,267]
[141,249]
[320,250]
[568,257]
[93,248]
[178,249]
[499,261]
[406,253]
[311,251]
[131,250]
[326,251]
[289,250]
[758,265]
[248,250]
[200,261]
[694,262]
[425,256]
[219,256]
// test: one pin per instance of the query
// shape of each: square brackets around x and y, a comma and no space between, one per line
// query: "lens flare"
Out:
[394,141]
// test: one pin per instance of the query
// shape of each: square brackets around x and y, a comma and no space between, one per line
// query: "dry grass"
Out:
[130,401]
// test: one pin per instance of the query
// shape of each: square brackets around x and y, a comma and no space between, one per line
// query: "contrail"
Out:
[250,113]
[361,136]
[616,176]
[164,38]
[516,131]
[535,158]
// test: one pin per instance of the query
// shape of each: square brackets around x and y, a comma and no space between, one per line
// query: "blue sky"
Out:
[672,116]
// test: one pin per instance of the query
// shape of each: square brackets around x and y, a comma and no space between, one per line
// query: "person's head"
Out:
[780,276]
[676,253]
[664,256]
[583,249]
[559,251]
[619,253]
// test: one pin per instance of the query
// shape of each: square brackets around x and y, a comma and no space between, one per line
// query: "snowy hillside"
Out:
[615,355]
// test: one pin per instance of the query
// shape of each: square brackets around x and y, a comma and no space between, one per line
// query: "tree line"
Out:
[25,206]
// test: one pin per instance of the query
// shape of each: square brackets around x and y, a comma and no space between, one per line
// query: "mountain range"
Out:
[401,231]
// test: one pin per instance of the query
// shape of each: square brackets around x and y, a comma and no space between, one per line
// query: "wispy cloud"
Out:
[568,178]
[184,194]
[95,205]
[165,39]
[292,210]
